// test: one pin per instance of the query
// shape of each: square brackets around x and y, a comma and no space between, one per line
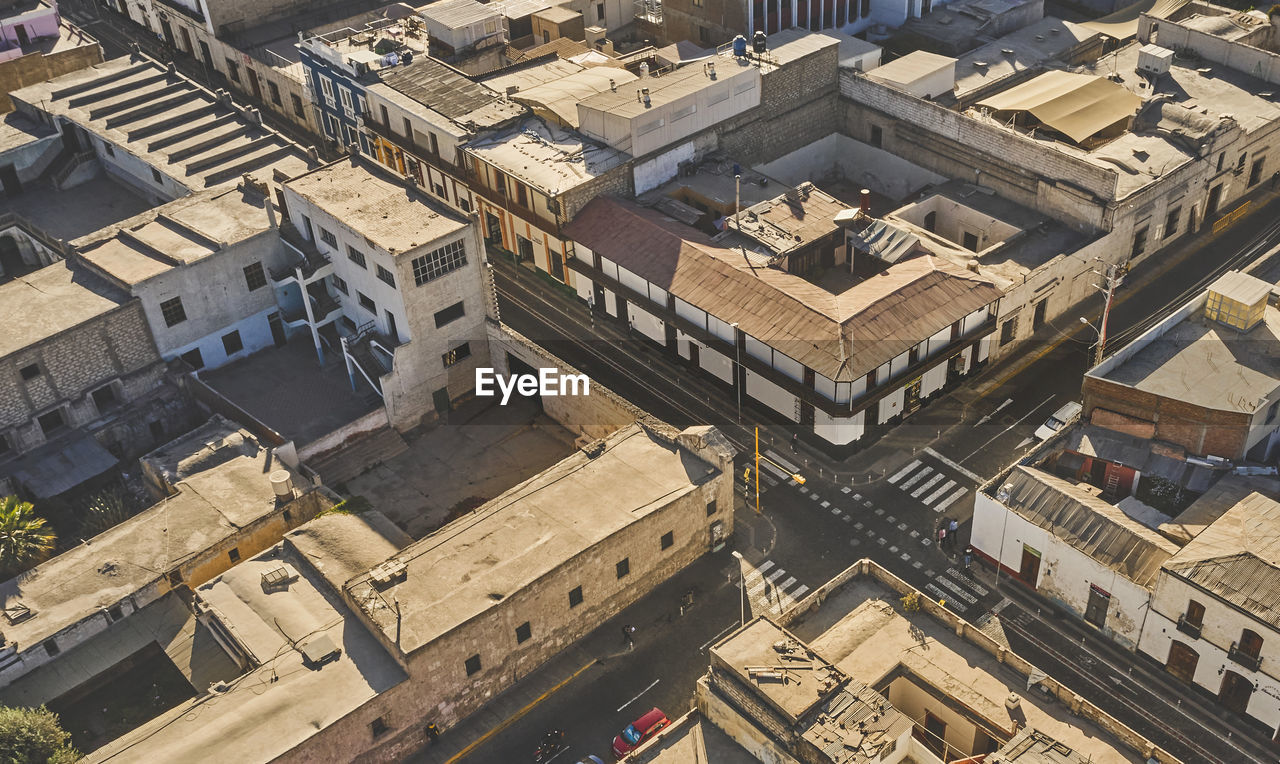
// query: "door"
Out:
[70,138]
[253,84]
[694,360]
[1029,571]
[493,232]
[1037,317]
[392,333]
[9,180]
[11,263]
[168,32]
[441,400]
[1182,662]
[23,39]
[622,310]
[277,329]
[1235,693]
[1215,196]
[911,397]
[597,297]
[935,733]
[206,55]
[1096,611]
[186,40]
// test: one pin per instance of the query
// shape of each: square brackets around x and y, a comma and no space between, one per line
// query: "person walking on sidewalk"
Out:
[627,635]
[968,557]
[953,531]
[942,537]
[795,436]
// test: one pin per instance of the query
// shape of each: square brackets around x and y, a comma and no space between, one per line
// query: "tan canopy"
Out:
[1076,105]
[1123,24]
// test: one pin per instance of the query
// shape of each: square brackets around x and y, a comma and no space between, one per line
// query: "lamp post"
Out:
[737,369]
[742,603]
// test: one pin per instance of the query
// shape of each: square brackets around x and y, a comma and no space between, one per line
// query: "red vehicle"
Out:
[639,731]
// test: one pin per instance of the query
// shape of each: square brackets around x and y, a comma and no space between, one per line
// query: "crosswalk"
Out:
[770,588]
[956,588]
[929,485]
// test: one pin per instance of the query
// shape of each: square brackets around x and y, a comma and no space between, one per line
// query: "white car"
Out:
[1059,420]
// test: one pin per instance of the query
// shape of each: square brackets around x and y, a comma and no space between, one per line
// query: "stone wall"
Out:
[38,67]
[1201,431]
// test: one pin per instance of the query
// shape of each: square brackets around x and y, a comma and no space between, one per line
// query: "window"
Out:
[1255,172]
[107,147]
[4,444]
[1250,643]
[711,508]
[328,238]
[33,370]
[156,429]
[275,94]
[1195,614]
[51,647]
[435,143]
[115,612]
[326,87]
[1222,158]
[970,240]
[459,353]
[522,195]
[297,104]
[379,726]
[254,277]
[366,303]
[1008,330]
[623,568]
[386,276]
[355,255]
[473,664]
[575,597]
[233,554]
[1171,221]
[344,95]
[877,136]
[362,106]
[600,10]
[433,265]
[523,632]
[339,284]
[1139,242]
[155,175]
[233,70]
[232,343]
[51,422]
[450,314]
[172,312]
[194,359]
[464,204]
[704,35]
[668,539]
[105,398]
[1240,164]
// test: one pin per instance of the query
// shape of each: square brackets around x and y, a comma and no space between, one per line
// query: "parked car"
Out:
[639,731]
[591,759]
[1059,420]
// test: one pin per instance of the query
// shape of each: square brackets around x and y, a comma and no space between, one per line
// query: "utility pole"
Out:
[1112,280]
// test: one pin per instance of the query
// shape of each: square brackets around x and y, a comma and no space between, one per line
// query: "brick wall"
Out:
[1201,431]
[37,67]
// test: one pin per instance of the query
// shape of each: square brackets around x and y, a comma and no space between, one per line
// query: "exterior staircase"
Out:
[358,456]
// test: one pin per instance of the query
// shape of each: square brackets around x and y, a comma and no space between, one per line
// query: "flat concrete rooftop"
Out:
[862,629]
[693,739]
[546,156]
[46,302]
[515,539]
[98,203]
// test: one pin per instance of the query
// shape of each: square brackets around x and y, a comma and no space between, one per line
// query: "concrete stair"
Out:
[358,456]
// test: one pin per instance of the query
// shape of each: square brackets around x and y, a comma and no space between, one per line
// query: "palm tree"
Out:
[24,539]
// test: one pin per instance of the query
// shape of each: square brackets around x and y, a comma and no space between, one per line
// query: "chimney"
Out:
[865,206]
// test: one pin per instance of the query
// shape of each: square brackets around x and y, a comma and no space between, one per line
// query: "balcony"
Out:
[1251,662]
[422,153]
[1188,628]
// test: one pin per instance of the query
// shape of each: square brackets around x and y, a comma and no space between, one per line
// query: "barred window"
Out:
[435,264]
[173,312]
[386,276]
[328,238]
[355,255]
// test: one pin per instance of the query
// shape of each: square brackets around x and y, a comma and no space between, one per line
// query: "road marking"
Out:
[857,526]
[1010,427]
[947,486]
[777,457]
[847,518]
[927,485]
[782,587]
[835,510]
[846,489]
[974,585]
[903,472]
[518,714]
[814,496]
[917,565]
[727,629]
[642,692]
[798,593]
[971,475]
[916,478]
[947,502]
[941,596]
[954,587]
[779,573]
[826,504]
[857,497]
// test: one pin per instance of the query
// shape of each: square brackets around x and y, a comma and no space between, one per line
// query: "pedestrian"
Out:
[795,436]
[627,631]
[942,537]
[968,557]
[433,731]
[953,531]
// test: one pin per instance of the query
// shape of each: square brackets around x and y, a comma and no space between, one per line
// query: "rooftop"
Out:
[51,300]
[19,130]
[1018,51]
[911,68]
[535,72]
[210,508]
[959,24]
[180,233]
[862,629]
[623,103]
[1237,557]
[548,157]
[1192,359]
[287,698]
[561,97]
[342,546]
[1079,106]
[448,91]
[168,122]
[839,335]
[390,214]
[557,14]
[1088,523]
[467,567]
[791,220]
[693,739]
[454,14]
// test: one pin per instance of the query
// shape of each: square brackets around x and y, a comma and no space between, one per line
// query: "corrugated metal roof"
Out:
[886,241]
[443,88]
[1241,287]
[876,320]
[1089,524]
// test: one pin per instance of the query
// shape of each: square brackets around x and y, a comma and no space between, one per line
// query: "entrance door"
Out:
[1029,571]
[622,309]
[70,138]
[935,733]
[1215,196]
[911,397]
[186,40]
[23,39]
[253,84]
[168,32]
[206,55]
[693,355]
[493,229]
[1235,693]
[277,329]
[441,400]
[392,333]
[1096,612]
[1182,662]
[597,302]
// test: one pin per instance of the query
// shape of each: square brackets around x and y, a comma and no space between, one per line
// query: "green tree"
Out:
[25,539]
[34,735]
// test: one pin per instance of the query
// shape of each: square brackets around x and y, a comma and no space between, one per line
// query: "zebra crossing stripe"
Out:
[954,587]
[777,457]
[916,478]
[940,595]
[931,498]
[974,585]
[903,472]
[782,587]
[930,483]
[799,592]
[947,501]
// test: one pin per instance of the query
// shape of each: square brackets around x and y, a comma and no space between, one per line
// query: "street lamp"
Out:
[742,603]
[737,369]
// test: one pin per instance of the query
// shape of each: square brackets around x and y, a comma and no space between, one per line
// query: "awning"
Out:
[885,241]
[57,472]
[1123,24]
[1076,105]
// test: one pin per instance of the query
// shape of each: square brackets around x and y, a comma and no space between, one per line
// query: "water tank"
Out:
[406,58]
[644,69]
[758,43]
[281,484]
[740,46]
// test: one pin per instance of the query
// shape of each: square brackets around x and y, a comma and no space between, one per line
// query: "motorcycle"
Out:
[552,744]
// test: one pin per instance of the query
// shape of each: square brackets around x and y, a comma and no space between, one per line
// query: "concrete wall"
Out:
[38,67]
[30,160]
[839,157]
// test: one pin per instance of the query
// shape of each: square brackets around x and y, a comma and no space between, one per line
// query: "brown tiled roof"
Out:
[875,321]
